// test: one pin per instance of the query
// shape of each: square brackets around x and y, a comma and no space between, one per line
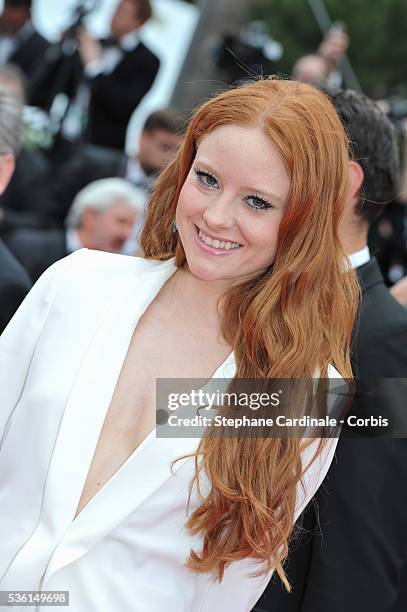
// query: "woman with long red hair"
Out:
[243,277]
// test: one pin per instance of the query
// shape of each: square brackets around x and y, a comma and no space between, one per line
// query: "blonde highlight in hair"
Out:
[290,322]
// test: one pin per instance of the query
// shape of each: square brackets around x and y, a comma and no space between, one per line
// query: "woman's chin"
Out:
[206,273]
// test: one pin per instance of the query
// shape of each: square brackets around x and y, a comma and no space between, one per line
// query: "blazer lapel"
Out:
[145,470]
[88,404]
[148,466]
[369,274]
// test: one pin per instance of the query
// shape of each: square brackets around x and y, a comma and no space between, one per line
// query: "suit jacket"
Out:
[24,203]
[353,556]
[14,285]
[60,360]
[37,249]
[115,96]
[29,56]
[387,240]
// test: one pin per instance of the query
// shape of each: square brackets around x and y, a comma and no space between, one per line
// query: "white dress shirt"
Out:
[60,359]
[111,56]
[359,258]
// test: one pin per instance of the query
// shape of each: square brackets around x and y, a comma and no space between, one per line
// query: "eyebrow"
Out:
[260,192]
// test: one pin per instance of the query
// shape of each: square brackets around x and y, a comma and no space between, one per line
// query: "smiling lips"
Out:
[217,244]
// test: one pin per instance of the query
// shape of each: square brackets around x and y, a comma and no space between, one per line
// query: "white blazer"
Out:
[60,358]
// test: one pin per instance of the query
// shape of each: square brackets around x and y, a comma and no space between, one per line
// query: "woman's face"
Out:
[231,204]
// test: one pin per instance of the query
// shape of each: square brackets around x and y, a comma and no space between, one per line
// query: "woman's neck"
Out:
[196,298]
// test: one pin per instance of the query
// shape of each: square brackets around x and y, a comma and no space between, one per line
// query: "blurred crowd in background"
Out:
[78,181]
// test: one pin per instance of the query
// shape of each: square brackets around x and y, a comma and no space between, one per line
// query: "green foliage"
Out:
[377,30]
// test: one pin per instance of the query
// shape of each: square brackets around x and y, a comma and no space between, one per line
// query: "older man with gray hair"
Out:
[102,217]
[14,282]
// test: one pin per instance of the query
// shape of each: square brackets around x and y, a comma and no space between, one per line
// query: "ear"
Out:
[143,138]
[88,218]
[7,165]
[356,178]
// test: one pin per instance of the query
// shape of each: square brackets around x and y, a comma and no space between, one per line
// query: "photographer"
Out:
[104,80]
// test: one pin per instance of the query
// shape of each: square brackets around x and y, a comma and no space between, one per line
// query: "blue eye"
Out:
[255,202]
[206,178]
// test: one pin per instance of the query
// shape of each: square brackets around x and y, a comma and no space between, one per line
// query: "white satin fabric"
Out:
[60,358]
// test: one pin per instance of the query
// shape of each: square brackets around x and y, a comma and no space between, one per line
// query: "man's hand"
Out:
[399,291]
[89,48]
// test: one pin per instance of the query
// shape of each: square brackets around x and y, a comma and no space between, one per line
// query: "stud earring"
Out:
[174,227]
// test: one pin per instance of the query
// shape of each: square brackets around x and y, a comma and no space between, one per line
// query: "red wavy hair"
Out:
[291,322]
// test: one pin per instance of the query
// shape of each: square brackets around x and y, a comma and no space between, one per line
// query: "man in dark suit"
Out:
[353,556]
[14,282]
[20,43]
[23,202]
[105,80]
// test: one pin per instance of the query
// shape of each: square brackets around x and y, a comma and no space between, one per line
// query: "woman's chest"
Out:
[156,351]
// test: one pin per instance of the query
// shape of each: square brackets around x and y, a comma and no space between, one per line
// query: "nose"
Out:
[220,211]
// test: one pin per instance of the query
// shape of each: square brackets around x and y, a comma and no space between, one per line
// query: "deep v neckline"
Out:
[223,370]
[151,435]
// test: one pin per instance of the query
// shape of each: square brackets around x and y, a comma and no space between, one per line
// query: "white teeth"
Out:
[217,244]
